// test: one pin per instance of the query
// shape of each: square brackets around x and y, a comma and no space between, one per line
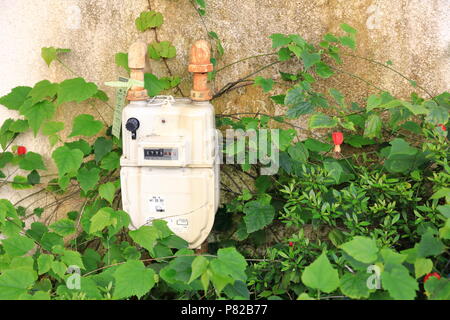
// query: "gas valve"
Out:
[169,166]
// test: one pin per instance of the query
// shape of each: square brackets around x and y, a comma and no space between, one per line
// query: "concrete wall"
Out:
[413,34]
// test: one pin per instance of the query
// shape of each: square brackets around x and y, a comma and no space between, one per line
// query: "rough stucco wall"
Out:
[414,34]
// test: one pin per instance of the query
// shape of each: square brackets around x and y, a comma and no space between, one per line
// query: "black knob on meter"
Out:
[132,125]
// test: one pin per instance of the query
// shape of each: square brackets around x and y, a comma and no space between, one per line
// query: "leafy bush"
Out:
[367,223]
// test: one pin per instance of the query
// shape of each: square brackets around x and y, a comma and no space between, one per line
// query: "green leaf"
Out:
[51,53]
[279,40]
[298,152]
[17,245]
[321,275]
[429,245]
[72,258]
[21,183]
[19,126]
[324,70]
[362,249]
[373,126]
[16,98]
[422,266]
[121,60]
[133,279]
[397,281]
[438,289]
[76,89]
[320,120]
[163,49]
[232,263]
[63,227]
[103,218]
[295,98]
[5,158]
[355,285]
[373,102]
[14,283]
[265,84]
[85,125]
[52,127]
[67,160]
[348,42]
[42,90]
[348,28]
[107,191]
[37,113]
[81,145]
[317,146]
[258,214]
[284,54]
[437,115]
[45,263]
[199,266]
[146,237]
[88,178]
[31,161]
[111,161]
[414,108]
[34,177]
[309,59]
[149,19]
[153,85]
[51,239]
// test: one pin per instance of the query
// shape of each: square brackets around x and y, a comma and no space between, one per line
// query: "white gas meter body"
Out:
[169,166]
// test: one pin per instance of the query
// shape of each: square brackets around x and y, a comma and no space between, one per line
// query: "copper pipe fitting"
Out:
[136,63]
[200,64]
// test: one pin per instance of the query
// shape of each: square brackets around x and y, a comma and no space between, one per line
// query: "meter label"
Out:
[160,154]
[157,204]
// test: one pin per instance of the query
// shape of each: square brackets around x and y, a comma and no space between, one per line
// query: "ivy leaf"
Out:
[298,152]
[317,146]
[163,49]
[51,53]
[153,85]
[107,191]
[429,245]
[309,59]
[31,161]
[72,258]
[81,145]
[52,127]
[295,98]
[348,42]
[149,19]
[355,285]
[43,89]
[373,126]
[100,220]
[19,126]
[5,158]
[121,60]
[67,160]
[146,237]
[44,262]
[320,120]
[258,214]
[265,84]
[111,161]
[348,28]
[17,245]
[133,279]
[14,283]
[396,280]
[362,249]
[76,89]
[422,266]
[15,99]
[37,113]
[85,125]
[232,263]
[88,178]
[324,70]
[102,146]
[63,227]
[199,266]
[21,183]
[321,275]
[279,40]
[34,177]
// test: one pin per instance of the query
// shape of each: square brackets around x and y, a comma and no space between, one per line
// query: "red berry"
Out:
[21,150]
[433,274]
[291,244]
[442,127]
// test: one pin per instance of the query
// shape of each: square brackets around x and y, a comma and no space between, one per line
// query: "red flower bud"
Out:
[21,150]
[291,244]
[433,274]
[338,138]
[442,127]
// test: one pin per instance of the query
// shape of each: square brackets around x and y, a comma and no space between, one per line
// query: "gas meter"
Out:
[169,166]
